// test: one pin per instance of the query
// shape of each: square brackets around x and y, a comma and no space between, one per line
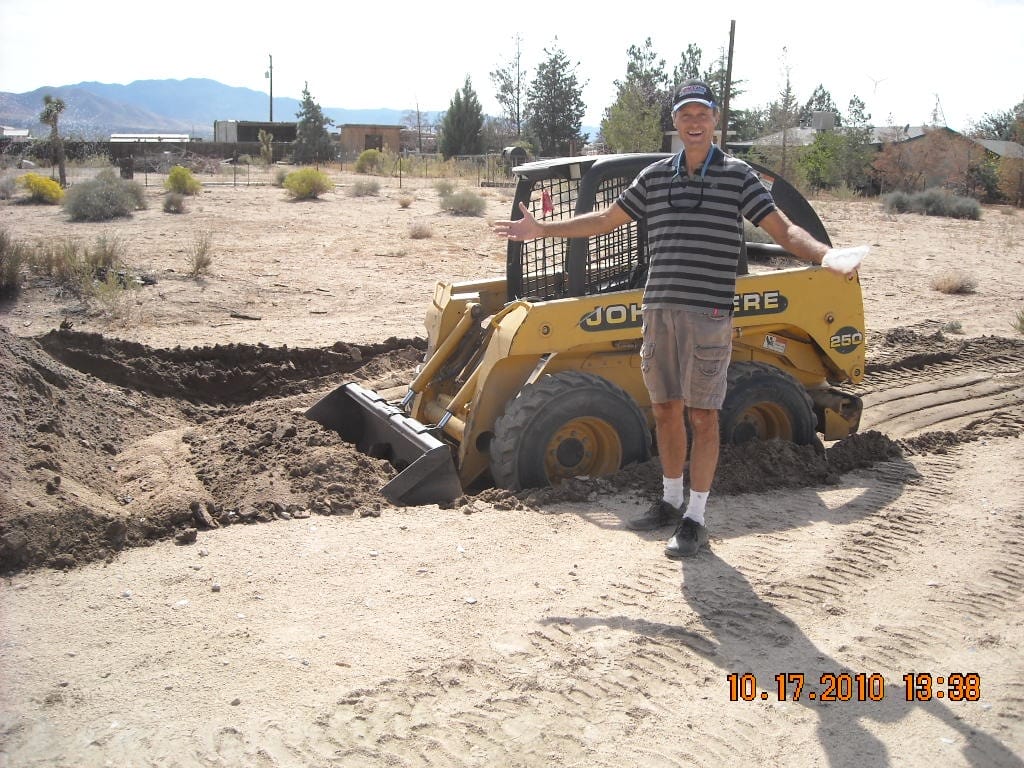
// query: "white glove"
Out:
[845,260]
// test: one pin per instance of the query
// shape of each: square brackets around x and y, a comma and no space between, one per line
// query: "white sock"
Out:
[695,509]
[673,490]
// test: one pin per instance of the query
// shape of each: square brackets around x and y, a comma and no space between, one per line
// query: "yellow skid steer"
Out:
[535,377]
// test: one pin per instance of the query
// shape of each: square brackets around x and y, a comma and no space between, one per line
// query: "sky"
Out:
[907,61]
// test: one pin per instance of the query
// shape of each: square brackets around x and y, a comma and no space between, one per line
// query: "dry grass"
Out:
[954,281]
[364,188]
[420,230]
[404,201]
[200,254]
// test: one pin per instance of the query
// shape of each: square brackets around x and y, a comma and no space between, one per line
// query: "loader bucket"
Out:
[426,469]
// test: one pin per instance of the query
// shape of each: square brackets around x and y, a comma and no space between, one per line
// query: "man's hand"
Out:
[844,260]
[526,228]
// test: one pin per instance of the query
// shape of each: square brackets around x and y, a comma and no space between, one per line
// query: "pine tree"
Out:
[820,101]
[312,142]
[554,105]
[634,122]
[462,124]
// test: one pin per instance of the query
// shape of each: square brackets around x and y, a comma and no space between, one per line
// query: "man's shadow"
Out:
[753,636]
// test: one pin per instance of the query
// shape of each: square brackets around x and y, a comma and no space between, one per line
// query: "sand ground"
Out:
[308,623]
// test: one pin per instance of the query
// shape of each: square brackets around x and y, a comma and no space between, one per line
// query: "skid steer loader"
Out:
[535,378]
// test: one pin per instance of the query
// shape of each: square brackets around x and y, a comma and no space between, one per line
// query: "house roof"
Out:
[802,137]
[1002,148]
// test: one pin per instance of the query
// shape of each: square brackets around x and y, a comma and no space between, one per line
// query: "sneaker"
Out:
[688,538]
[659,515]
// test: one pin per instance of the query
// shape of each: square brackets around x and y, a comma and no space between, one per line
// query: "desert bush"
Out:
[307,183]
[106,254]
[953,326]
[181,180]
[13,256]
[174,202]
[444,188]
[104,197]
[404,201]
[114,294]
[954,281]
[932,202]
[60,259]
[465,202]
[420,231]
[8,186]
[75,267]
[369,161]
[41,189]
[200,254]
[279,176]
[364,188]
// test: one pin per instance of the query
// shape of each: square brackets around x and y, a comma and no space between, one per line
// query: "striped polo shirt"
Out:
[693,242]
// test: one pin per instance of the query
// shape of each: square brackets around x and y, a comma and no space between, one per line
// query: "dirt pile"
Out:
[93,467]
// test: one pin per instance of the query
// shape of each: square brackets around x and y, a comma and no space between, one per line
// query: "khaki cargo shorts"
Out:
[685,356]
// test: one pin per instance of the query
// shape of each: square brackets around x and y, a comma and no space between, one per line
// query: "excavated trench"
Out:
[112,444]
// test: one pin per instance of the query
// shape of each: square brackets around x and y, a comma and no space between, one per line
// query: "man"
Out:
[693,204]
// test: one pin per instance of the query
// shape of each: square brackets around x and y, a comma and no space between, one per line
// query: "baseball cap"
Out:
[694,90]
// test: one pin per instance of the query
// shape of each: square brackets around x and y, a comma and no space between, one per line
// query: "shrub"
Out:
[369,161]
[465,202]
[174,202]
[1018,322]
[420,231]
[8,186]
[13,255]
[77,268]
[279,176]
[115,294]
[307,183]
[41,189]
[444,188]
[181,180]
[933,202]
[104,197]
[62,260]
[953,326]
[365,188]
[954,281]
[404,201]
[896,202]
[105,256]
[200,254]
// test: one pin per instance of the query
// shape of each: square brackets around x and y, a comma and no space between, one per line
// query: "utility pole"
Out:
[269,74]
[728,87]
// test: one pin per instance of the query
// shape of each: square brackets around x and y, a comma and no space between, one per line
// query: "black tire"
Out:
[764,403]
[568,424]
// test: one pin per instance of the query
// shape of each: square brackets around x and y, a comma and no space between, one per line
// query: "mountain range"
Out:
[96,110]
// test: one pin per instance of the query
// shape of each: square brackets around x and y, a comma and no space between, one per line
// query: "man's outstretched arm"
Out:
[584,225]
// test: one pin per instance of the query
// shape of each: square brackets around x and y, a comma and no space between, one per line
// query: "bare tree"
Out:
[511,93]
[415,120]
